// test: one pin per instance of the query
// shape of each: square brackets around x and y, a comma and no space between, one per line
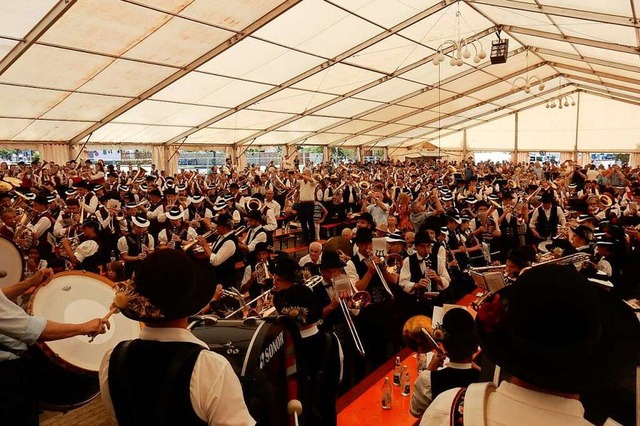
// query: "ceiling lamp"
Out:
[528,83]
[528,80]
[562,101]
[460,50]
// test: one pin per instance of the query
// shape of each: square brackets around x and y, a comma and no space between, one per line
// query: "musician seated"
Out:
[256,233]
[134,375]
[314,256]
[517,260]
[318,358]
[9,219]
[285,275]
[223,206]
[347,233]
[176,232]
[422,273]
[460,344]
[395,246]
[546,218]
[34,262]
[87,255]
[135,246]
[68,220]
[257,278]
[223,253]
[581,238]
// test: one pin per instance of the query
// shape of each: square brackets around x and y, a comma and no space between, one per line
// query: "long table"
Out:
[362,405]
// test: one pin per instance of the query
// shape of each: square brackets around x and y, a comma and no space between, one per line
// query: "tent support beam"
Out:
[595,61]
[558,11]
[575,146]
[253,27]
[572,39]
[508,106]
[36,32]
[458,96]
[356,49]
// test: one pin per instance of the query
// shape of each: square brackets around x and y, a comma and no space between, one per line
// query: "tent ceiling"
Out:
[316,72]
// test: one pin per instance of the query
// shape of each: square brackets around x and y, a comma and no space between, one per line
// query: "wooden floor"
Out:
[92,414]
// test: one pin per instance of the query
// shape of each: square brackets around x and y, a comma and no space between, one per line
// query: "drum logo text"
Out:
[270,351]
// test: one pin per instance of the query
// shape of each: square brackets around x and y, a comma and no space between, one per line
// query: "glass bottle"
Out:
[387,395]
[397,372]
[406,381]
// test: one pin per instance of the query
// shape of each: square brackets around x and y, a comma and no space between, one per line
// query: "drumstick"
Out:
[119,302]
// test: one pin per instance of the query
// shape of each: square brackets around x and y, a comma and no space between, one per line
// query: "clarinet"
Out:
[420,292]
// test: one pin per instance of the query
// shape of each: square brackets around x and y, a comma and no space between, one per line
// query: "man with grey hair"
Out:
[314,256]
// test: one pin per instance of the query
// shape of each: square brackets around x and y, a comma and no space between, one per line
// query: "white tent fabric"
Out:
[317,72]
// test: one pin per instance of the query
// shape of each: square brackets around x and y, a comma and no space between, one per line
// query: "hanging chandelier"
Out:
[529,81]
[460,49]
[562,101]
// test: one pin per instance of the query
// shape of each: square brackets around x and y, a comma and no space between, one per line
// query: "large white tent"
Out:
[229,74]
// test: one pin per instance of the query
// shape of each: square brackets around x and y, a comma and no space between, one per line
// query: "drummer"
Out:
[18,330]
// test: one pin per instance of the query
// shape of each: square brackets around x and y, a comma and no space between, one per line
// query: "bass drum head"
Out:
[68,368]
[259,352]
[11,263]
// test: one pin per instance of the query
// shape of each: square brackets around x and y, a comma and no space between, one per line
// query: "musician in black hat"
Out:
[224,252]
[546,218]
[155,212]
[86,197]
[168,376]
[460,344]
[286,274]
[256,233]
[333,319]
[257,276]
[377,327]
[41,225]
[560,337]
[318,358]
[581,238]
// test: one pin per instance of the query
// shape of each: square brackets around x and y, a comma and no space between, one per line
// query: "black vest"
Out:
[547,227]
[416,272]
[449,378]
[345,194]
[135,242]
[92,263]
[154,224]
[226,271]
[149,383]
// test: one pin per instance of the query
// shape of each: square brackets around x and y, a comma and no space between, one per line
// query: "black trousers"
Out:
[305,214]
[18,406]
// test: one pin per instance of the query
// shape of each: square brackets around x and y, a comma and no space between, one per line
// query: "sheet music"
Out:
[494,281]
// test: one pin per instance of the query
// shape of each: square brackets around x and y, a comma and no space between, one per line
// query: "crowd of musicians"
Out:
[411,232]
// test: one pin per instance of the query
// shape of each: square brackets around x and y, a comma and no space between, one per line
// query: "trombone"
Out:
[356,300]
[381,276]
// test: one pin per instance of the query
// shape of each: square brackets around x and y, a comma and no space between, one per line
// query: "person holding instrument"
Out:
[460,344]
[19,330]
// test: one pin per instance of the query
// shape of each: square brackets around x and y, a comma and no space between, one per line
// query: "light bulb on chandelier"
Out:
[458,54]
[562,102]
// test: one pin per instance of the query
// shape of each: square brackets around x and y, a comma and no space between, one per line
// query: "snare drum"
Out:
[256,350]
[11,262]
[67,370]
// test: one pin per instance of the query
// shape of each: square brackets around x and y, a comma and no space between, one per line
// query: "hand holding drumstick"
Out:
[120,302]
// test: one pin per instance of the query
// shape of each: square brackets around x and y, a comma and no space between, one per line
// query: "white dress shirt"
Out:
[123,246]
[220,253]
[251,241]
[17,329]
[307,259]
[215,391]
[405,274]
[86,249]
[307,190]
[513,405]
[422,392]
[275,206]
[163,240]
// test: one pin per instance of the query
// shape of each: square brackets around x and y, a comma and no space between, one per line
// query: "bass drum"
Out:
[11,263]
[259,352]
[66,371]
